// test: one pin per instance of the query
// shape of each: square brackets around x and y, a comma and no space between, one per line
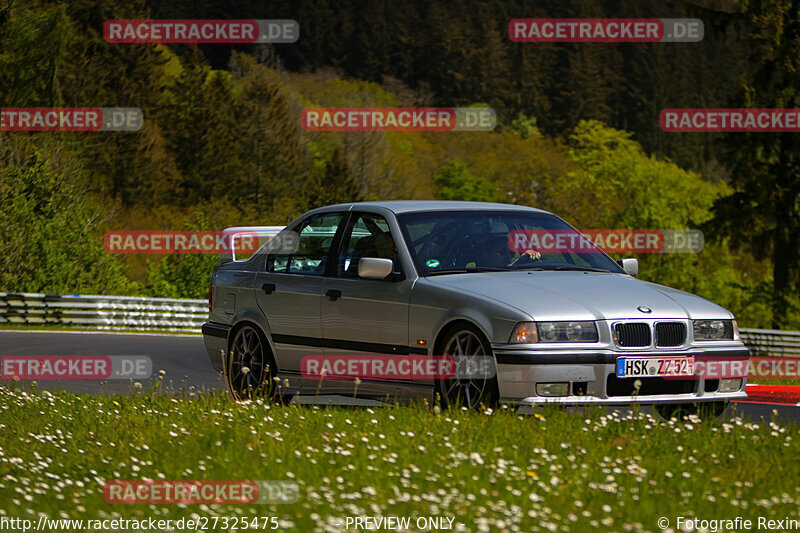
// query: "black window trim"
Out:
[332,252]
[352,216]
[336,244]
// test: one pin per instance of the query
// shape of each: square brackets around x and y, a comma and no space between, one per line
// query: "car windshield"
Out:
[445,242]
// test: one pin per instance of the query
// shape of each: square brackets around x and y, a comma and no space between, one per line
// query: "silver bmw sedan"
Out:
[465,303]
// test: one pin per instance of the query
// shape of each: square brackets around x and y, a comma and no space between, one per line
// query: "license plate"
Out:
[643,367]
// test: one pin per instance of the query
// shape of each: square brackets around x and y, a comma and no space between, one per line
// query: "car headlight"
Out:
[548,332]
[714,330]
[531,332]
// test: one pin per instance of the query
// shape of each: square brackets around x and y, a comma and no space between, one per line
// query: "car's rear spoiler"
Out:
[244,239]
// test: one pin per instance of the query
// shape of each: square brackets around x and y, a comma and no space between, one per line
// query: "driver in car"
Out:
[497,253]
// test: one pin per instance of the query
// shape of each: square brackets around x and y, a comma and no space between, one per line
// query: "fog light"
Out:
[730,385]
[552,389]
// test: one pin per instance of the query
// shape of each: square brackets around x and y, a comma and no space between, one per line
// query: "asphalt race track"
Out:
[179,356]
[184,360]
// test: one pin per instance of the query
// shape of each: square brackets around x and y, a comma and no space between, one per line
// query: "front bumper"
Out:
[591,375]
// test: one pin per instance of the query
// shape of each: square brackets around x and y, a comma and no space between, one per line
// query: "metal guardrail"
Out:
[103,312]
[771,342]
[165,314]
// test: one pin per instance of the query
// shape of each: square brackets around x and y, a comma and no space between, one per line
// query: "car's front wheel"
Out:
[474,384]
[251,368]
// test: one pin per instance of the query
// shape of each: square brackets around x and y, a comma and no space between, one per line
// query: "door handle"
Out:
[333,294]
[268,288]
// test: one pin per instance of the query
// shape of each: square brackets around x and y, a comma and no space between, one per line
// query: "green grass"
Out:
[553,471]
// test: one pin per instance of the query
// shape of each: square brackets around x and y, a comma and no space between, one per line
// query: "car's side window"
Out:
[368,235]
[308,252]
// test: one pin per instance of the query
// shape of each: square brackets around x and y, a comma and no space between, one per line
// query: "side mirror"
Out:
[374,267]
[629,265]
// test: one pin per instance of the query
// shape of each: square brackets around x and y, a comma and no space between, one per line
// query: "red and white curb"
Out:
[773,394]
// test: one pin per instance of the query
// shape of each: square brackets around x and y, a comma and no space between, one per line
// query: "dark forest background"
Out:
[578,134]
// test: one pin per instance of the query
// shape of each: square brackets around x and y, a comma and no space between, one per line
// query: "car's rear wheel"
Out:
[251,367]
[470,387]
[701,409]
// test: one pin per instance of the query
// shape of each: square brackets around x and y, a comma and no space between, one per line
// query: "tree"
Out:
[763,214]
[49,238]
[332,182]
[525,127]
[616,185]
[32,53]
[131,167]
[456,182]
[270,142]
[182,275]
[200,108]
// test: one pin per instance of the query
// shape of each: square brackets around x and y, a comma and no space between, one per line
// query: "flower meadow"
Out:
[554,470]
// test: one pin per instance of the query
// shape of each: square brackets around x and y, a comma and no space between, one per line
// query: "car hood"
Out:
[569,295]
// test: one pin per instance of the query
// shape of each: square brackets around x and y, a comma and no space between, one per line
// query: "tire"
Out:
[702,409]
[465,342]
[250,369]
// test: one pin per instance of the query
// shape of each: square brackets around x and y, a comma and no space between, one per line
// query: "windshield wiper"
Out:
[580,268]
[468,270]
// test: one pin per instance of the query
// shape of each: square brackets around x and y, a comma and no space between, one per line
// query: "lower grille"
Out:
[632,334]
[650,386]
[670,333]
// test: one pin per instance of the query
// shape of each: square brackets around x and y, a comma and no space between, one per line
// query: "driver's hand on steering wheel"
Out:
[533,254]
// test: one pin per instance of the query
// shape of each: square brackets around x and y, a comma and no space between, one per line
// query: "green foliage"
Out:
[332,182]
[129,168]
[32,47]
[526,127]
[49,237]
[268,140]
[549,460]
[763,213]
[616,185]
[182,275]
[456,182]
[222,135]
